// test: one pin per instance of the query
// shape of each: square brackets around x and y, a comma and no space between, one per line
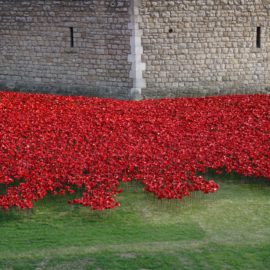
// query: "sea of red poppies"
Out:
[56,144]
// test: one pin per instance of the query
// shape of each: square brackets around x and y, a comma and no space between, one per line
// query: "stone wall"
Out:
[135,48]
[36,51]
[201,47]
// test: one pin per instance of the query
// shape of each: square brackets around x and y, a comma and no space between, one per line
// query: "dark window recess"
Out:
[71,37]
[170,30]
[258,37]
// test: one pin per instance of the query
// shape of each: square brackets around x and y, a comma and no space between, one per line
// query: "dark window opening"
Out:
[71,37]
[258,37]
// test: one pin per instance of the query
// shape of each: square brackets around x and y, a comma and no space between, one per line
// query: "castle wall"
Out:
[202,47]
[37,51]
[135,48]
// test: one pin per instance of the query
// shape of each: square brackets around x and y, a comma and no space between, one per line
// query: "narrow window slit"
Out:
[258,37]
[71,37]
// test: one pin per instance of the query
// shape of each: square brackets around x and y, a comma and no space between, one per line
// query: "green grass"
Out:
[226,230]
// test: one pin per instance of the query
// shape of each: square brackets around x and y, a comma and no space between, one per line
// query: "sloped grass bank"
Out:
[226,230]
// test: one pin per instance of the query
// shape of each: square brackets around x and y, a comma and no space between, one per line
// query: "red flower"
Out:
[57,144]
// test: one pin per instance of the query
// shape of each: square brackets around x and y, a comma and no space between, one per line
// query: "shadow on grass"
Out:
[236,179]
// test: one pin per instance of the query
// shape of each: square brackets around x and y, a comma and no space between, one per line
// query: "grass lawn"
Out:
[226,230]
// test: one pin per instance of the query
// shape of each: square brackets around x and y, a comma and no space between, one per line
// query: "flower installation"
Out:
[62,144]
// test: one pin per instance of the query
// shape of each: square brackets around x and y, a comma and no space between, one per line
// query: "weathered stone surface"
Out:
[36,52]
[135,48]
[205,47]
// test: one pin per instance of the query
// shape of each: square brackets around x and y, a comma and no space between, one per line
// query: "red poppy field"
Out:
[55,144]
